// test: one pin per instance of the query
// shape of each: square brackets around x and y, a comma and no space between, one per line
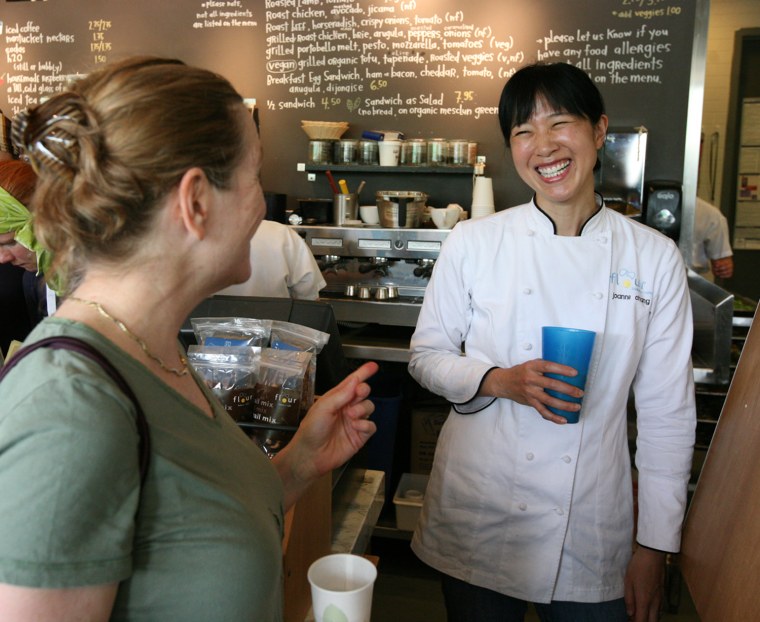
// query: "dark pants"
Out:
[470,603]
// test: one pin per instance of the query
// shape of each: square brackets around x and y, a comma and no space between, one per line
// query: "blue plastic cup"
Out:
[571,347]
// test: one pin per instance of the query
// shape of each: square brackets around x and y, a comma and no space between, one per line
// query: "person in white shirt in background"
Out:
[712,256]
[282,266]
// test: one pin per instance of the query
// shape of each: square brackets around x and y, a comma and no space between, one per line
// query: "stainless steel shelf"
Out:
[360,168]
[376,353]
[378,343]
[744,322]
[369,312]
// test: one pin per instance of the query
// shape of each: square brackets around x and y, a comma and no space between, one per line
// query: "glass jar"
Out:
[472,153]
[320,151]
[368,152]
[458,150]
[346,151]
[436,151]
[414,152]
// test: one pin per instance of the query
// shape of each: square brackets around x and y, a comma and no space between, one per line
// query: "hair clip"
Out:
[42,141]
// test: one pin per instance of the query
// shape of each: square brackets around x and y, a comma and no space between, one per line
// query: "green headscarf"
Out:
[14,217]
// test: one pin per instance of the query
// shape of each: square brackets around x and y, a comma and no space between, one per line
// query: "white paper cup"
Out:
[482,192]
[341,588]
[478,211]
[389,151]
[369,214]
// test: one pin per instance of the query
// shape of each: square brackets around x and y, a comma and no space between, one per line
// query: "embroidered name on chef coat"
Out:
[627,286]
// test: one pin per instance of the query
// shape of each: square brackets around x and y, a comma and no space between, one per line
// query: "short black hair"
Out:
[562,86]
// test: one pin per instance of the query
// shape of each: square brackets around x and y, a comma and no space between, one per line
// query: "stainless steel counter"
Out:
[386,329]
[712,308]
[376,342]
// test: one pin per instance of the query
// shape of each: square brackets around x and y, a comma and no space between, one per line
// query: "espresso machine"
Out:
[374,275]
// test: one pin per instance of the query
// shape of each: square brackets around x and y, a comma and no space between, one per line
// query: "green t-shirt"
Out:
[209,528]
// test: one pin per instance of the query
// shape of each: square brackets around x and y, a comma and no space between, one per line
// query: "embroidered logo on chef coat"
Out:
[626,285]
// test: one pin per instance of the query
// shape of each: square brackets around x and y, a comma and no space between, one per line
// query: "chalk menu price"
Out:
[33,53]
[47,48]
[369,58]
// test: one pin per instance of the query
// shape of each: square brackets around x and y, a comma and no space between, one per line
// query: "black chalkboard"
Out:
[427,68]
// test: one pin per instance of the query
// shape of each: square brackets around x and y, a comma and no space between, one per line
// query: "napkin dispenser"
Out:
[664,206]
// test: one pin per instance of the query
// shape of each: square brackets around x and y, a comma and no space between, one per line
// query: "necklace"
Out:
[181,371]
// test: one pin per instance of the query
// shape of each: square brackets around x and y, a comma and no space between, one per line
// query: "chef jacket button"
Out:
[602,239]
[566,459]
[523,506]
[529,456]
[531,233]
[559,511]
[598,295]
[527,291]
[527,346]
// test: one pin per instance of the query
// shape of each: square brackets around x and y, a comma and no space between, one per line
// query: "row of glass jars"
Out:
[413,152]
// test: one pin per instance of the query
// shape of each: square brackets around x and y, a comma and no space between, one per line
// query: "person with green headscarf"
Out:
[18,244]
[22,261]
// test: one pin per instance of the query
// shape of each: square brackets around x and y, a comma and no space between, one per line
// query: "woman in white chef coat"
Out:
[522,507]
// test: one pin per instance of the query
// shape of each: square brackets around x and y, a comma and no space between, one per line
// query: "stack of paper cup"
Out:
[482,197]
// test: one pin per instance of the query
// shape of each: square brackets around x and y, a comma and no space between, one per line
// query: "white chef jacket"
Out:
[517,504]
[282,266]
[711,239]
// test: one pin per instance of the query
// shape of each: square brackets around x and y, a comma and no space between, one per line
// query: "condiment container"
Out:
[414,152]
[368,152]
[346,151]
[408,500]
[320,151]
[436,152]
[458,152]
[472,153]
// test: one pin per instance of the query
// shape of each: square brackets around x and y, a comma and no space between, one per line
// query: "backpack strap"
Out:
[85,349]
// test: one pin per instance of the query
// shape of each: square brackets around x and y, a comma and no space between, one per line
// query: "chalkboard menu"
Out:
[427,68]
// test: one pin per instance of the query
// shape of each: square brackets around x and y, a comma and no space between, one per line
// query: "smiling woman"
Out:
[555,153]
[555,497]
[554,131]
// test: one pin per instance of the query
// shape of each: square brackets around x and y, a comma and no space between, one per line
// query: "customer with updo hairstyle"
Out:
[523,506]
[149,195]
